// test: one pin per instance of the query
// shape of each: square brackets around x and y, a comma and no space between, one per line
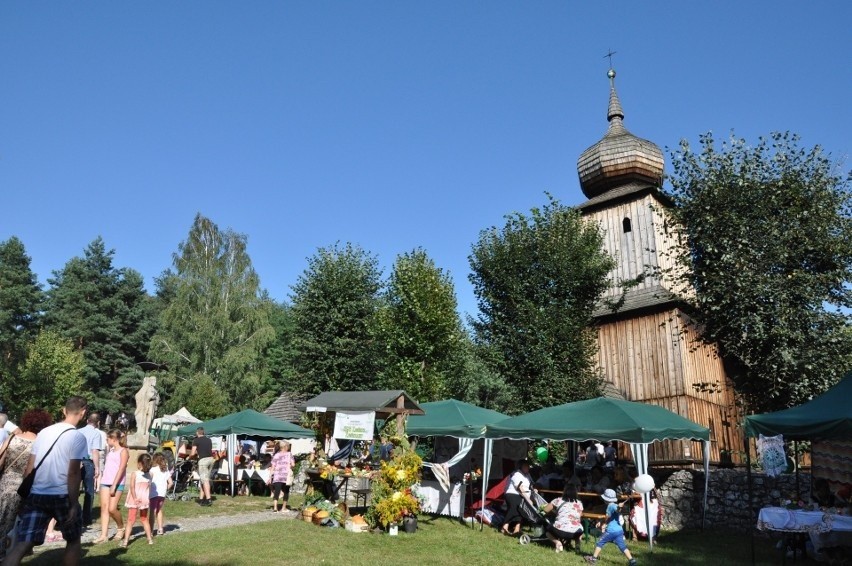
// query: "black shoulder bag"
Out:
[27,485]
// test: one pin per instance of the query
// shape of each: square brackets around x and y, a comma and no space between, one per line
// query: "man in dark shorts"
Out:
[202,447]
[56,488]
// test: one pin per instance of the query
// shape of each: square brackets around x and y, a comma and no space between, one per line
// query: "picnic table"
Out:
[596,509]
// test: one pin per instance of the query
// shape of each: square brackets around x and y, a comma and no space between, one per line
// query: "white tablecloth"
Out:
[793,520]
[254,475]
[439,502]
[825,529]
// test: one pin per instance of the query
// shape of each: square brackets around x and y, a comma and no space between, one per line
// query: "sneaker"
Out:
[632,562]
[591,559]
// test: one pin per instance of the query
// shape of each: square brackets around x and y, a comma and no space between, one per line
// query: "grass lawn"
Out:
[438,541]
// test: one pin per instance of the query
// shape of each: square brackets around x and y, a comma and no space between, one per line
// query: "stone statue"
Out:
[147,399]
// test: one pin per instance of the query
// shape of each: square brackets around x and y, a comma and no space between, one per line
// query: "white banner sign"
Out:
[355,425]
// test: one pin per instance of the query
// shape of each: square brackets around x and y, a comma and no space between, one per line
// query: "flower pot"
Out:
[409,523]
[393,529]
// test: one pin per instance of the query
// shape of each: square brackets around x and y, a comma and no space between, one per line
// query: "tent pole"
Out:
[748,475]
[230,451]
[486,468]
[706,446]
[796,466]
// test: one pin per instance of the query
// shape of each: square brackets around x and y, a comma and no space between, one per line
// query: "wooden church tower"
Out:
[647,347]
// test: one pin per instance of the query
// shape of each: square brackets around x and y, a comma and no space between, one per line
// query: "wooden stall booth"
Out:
[354,416]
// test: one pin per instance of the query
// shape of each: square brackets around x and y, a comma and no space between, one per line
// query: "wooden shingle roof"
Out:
[287,407]
[619,157]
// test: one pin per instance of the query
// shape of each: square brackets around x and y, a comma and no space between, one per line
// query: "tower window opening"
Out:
[626,225]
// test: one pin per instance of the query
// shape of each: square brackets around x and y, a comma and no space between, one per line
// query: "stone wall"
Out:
[682,494]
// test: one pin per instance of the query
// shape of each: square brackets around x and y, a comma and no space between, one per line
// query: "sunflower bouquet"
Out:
[392,496]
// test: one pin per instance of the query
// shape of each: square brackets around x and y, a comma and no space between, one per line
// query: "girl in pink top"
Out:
[282,473]
[112,483]
[138,493]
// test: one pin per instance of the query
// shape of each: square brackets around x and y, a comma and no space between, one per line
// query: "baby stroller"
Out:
[534,518]
[538,520]
[184,481]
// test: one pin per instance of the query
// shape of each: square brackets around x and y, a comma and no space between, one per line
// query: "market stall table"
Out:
[824,529]
[327,485]
[253,476]
[436,501]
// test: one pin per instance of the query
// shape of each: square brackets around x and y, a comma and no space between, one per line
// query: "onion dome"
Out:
[619,157]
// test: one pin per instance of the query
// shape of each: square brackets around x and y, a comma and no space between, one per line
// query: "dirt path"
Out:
[188,525]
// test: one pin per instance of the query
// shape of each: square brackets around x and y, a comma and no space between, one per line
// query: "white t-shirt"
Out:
[7,430]
[519,479]
[159,482]
[104,449]
[52,476]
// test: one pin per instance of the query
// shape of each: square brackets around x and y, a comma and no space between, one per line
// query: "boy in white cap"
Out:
[613,532]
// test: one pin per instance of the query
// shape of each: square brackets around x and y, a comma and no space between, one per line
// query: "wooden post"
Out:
[400,421]
[750,488]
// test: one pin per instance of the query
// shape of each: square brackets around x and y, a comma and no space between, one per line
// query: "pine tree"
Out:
[21,300]
[101,310]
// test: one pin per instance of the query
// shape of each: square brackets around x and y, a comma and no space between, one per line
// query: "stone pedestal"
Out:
[136,444]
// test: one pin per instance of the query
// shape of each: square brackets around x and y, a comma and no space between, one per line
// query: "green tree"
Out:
[419,327]
[537,281]
[215,324]
[104,311]
[768,248]
[52,372]
[21,300]
[475,381]
[201,396]
[279,373]
[334,306]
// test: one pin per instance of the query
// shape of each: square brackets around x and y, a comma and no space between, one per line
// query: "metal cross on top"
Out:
[609,56]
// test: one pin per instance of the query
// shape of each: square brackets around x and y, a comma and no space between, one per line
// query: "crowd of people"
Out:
[59,461]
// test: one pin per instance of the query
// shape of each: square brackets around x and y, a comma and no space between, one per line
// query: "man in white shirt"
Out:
[91,464]
[7,427]
[56,455]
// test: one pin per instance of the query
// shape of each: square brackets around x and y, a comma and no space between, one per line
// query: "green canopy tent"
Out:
[455,419]
[826,417]
[246,423]
[637,424]
[452,418]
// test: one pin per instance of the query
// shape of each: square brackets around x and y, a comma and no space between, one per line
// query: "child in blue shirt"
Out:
[613,532]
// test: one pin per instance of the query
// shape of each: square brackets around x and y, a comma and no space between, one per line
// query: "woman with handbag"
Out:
[282,474]
[14,454]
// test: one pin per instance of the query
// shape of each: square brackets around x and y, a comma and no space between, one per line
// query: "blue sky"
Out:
[389,124]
